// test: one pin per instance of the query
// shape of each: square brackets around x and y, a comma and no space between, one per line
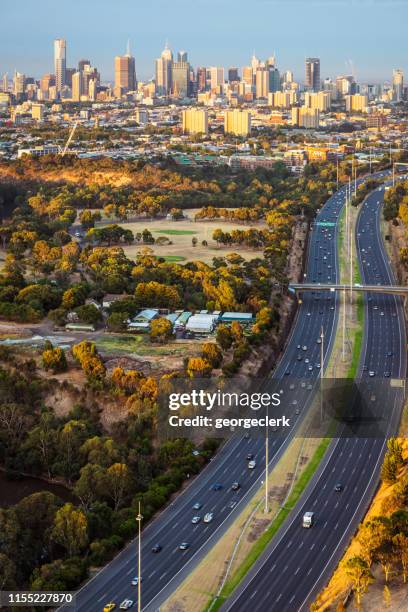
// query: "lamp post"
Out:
[139,562]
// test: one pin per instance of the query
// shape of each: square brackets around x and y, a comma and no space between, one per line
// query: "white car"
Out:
[196,519]
[135,581]
[251,465]
[208,517]
[126,604]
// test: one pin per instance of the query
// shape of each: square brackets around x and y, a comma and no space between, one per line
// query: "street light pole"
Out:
[321,372]
[266,509]
[139,564]
[337,174]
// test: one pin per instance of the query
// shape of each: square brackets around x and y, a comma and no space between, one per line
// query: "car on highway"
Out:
[196,519]
[235,486]
[135,580]
[304,347]
[208,517]
[184,546]
[156,548]
[371,373]
[387,374]
[197,506]
[232,504]
[217,486]
[250,456]
[126,604]
[338,487]
[110,606]
[251,465]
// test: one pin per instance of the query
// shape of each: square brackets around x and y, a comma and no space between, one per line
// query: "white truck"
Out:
[308,519]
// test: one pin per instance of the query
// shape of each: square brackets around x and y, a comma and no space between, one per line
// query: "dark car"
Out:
[338,488]
[235,486]
[250,456]
[217,486]
[156,548]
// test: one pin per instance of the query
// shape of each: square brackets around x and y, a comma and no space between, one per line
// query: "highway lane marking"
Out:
[253,594]
[103,597]
[312,546]
[152,574]
[291,599]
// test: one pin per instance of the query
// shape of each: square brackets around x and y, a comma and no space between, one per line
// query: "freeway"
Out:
[163,571]
[299,562]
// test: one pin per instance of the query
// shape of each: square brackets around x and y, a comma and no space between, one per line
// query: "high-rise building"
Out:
[195,121]
[313,73]
[267,80]
[237,122]
[357,103]
[4,83]
[201,79]
[77,86]
[181,78]
[305,117]
[37,112]
[320,100]
[60,62]
[233,75]
[182,56]
[47,81]
[125,74]
[345,85]
[282,99]
[19,84]
[164,72]
[248,75]
[217,77]
[398,85]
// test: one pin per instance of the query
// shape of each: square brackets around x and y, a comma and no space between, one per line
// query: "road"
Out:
[162,572]
[299,562]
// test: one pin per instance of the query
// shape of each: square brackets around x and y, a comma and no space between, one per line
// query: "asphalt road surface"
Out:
[299,562]
[162,572]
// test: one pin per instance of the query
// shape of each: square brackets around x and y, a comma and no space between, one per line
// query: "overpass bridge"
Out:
[391,289]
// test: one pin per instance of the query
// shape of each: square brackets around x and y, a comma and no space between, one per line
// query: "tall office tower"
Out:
[233,75]
[60,62]
[255,63]
[18,83]
[217,77]
[271,61]
[82,63]
[181,79]
[237,122]
[195,121]
[182,56]
[397,85]
[47,81]
[312,73]
[201,79]
[163,72]
[4,83]
[92,89]
[345,85]
[77,86]
[248,75]
[267,80]
[287,76]
[125,74]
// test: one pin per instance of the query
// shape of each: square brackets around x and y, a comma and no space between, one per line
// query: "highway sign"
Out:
[325,224]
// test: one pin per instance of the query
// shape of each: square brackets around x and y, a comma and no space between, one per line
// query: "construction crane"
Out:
[70,137]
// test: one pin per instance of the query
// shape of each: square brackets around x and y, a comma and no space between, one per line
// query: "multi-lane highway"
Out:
[299,561]
[163,571]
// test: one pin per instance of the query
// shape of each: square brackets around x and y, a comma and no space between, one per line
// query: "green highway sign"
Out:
[326,224]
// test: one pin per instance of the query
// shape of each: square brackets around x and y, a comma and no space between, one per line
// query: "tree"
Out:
[387,596]
[8,572]
[385,555]
[401,544]
[117,483]
[224,337]
[70,529]
[117,321]
[89,313]
[372,535]
[197,367]
[161,330]
[89,486]
[54,359]
[359,572]
[212,353]
[389,469]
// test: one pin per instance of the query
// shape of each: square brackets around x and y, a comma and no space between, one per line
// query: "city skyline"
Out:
[209,43]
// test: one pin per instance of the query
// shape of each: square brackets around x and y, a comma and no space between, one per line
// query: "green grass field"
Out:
[173,258]
[175,232]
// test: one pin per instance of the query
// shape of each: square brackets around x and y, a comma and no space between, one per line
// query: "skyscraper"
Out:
[60,62]
[164,72]
[125,73]
[233,75]
[181,77]
[182,56]
[201,79]
[397,85]
[313,73]
[195,121]
[237,122]
[217,77]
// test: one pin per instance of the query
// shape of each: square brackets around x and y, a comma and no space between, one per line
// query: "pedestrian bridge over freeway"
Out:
[301,287]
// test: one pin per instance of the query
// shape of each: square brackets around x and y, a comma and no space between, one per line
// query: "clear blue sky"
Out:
[372,33]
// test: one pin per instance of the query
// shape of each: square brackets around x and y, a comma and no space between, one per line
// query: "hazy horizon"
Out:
[369,33]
